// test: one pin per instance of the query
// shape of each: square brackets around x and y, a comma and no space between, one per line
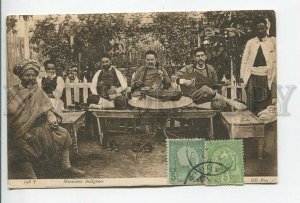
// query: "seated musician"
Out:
[151,75]
[107,86]
[198,80]
[52,85]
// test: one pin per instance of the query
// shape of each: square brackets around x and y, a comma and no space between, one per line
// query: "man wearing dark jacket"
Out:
[151,75]
[198,80]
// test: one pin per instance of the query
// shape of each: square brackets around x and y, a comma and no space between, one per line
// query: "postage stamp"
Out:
[185,161]
[224,162]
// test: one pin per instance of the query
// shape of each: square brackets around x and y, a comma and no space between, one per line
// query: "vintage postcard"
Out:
[141,99]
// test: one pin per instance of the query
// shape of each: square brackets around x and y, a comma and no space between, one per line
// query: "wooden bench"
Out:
[243,125]
[184,113]
[78,92]
[72,121]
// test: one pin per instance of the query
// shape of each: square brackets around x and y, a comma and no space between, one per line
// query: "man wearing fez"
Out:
[199,80]
[107,86]
[258,68]
[151,75]
[52,85]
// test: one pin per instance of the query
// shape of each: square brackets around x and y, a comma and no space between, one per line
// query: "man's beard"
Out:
[50,75]
[29,84]
[106,67]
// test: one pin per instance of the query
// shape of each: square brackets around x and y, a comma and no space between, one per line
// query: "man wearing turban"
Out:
[33,128]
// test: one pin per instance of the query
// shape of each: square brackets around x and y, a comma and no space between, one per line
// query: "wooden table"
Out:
[241,125]
[161,111]
[150,113]
[72,121]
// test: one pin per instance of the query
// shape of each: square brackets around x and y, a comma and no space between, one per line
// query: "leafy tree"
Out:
[96,36]
[51,39]
[176,32]
[82,39]
[231,30]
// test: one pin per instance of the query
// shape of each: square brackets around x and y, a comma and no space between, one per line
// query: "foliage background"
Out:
[80,40]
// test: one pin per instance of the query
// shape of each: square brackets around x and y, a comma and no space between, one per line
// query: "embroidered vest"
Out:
[49,85]
[106,80]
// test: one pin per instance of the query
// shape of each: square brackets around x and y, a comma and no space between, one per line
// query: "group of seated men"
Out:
[199,78]
[196,81]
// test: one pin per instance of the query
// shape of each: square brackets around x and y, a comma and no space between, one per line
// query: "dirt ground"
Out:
[99,163]
[110,164]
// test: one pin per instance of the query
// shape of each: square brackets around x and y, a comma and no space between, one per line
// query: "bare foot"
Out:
[239,106]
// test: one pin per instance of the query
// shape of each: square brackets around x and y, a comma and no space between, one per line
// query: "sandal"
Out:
[148,148]
[136,147]
[107,146]
[114,146]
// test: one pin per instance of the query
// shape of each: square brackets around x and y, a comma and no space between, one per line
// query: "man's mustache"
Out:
[150,64]
[30,82]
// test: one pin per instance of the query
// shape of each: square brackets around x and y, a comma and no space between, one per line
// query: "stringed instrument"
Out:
[198,81]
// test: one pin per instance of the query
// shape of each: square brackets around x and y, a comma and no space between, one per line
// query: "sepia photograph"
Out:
[118,99]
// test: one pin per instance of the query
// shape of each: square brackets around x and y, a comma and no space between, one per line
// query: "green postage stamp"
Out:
[199,162]
[184,157]
[225,163]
